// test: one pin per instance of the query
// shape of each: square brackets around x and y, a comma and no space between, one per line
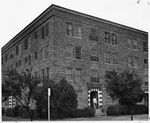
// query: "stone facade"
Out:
[86,32]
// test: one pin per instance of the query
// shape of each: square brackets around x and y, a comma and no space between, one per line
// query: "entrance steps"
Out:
[98,112]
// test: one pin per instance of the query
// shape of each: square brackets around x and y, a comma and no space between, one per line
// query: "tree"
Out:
[63,99]
[124,86]
[22,86]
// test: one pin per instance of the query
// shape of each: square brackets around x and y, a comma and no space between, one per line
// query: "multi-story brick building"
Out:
[61,42]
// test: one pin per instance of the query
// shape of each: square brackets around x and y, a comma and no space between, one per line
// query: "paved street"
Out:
[143,117]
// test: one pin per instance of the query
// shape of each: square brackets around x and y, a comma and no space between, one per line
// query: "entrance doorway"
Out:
[93,94]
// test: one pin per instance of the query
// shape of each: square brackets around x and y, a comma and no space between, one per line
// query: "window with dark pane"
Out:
[146,63]
[114,39]
[17,49]
[42,32]
[35,35]
[145,46]
[26,43]
[47,29]
[107,37]
[78,52]
[93,35]
[35,54]
[93,58]
[6,57]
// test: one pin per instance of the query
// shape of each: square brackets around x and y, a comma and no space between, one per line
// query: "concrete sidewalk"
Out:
[143,117]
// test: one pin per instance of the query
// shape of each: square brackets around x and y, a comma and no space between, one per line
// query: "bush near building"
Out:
[10,112]
[114,110]
[78,113]
[16,110]
[3,111]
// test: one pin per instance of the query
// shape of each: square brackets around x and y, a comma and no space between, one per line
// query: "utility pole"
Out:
[49,93]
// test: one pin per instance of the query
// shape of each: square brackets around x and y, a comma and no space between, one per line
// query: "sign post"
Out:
[49,93]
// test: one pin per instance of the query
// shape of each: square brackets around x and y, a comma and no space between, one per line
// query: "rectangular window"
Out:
[17,49]
[78,52]
[69,29]
[42,32]
[27,43]
[115,58]
[132,61]
[114,39]
[146,63]
[94,58]
[135,44]
[129,43]
[93,35]
[107,57]
[107,37]
[69,74]
[6,57]
[77,31]
[94,76]
[45,52]
[29,60]
[145,46]
[35,35]
[69,51]
[47,29]
[78,74]
[12,54]
[35,54]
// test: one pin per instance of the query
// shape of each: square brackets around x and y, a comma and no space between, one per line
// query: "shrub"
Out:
[3,111]
[140,109]
[16,110]
[9,112]
[23,112]
[112,110]
[125,110]
[78,113]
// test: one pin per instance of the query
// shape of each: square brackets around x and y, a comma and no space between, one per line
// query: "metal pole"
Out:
[48,104]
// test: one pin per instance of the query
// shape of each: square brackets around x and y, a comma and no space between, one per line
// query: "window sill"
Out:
[73,37]
[112,64]
[111,45]
[73,59]
[132,49]
[94,61]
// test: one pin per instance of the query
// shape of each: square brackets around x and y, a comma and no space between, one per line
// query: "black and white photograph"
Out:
[74,60]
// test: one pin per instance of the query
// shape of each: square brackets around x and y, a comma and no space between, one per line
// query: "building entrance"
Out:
[93,95]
